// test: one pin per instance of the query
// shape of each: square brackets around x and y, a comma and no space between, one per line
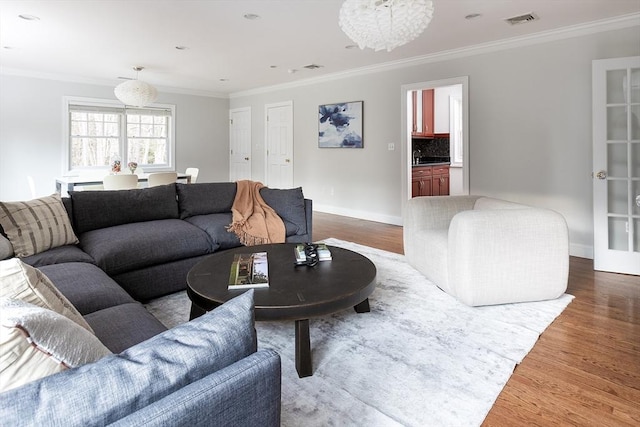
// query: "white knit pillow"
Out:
[21,281]
[36,342]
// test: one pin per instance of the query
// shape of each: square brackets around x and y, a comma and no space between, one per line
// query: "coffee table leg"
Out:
[196,311]
[363,307]
[303,349]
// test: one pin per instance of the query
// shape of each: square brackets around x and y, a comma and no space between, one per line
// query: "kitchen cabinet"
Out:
[422,113]
[440,181]
[430,180]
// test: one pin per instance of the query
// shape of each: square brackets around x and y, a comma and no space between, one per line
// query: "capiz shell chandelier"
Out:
[384,24]
[135,92]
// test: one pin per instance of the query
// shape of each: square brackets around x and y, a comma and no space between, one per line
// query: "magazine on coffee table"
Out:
[249,271]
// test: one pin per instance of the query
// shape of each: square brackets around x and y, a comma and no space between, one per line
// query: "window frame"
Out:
[114,107]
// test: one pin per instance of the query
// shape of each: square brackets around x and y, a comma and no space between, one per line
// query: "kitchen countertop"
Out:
[431,164]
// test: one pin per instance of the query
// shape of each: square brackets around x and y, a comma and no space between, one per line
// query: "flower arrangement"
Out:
[132,166]
[115,166]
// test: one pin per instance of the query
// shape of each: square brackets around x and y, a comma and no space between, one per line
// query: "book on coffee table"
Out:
[249,271]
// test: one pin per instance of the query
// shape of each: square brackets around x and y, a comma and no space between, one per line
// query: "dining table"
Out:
[70,182]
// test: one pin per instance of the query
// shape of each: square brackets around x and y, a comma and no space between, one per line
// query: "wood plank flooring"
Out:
[585,368]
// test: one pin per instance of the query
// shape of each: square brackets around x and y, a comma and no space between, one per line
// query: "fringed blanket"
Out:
[254,222]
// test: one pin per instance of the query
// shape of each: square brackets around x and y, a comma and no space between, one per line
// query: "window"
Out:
[101,131]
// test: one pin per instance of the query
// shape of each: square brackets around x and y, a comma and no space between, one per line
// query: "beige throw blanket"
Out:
[254,222]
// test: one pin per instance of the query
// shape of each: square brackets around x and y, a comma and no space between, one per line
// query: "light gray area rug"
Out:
[419,358]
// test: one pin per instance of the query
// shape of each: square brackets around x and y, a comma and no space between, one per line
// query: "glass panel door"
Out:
[616,161]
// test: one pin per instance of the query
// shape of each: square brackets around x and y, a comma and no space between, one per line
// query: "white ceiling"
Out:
[100,40]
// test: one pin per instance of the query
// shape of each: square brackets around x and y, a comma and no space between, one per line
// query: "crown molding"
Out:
[620,22]
[102,82]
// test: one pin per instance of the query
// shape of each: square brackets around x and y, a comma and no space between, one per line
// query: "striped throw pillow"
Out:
[37,225]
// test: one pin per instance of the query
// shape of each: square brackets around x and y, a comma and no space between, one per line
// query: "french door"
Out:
[616,164]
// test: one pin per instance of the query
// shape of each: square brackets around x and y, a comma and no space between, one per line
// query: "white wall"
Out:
[530,130]
[31,132]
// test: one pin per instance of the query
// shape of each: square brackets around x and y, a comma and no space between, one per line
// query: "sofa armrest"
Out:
[523,252]
[246,393]
[118,385]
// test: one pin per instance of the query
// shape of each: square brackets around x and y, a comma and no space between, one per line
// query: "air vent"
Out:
[312,66]
[521,19]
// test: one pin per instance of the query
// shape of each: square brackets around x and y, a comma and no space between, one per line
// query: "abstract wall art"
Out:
[340,125]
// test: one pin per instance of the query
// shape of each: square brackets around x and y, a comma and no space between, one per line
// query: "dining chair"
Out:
[193,172]
[120,182]
[161,178]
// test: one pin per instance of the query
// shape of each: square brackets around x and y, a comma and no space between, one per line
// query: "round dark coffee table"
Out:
[294,293]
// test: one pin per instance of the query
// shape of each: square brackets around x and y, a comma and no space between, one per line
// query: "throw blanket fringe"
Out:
[254,222]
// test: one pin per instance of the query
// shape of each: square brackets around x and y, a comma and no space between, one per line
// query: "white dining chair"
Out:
[120,182]
[193,173]
[161,178]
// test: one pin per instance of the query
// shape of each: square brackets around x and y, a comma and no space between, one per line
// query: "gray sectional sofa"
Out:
[137,245]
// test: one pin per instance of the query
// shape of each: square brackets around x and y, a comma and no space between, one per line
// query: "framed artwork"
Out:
[340,125]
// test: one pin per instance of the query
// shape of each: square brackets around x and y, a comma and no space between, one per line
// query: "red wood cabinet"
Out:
[430,181]
[422,113]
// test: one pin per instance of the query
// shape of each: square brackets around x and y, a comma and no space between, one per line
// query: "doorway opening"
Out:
[447,141]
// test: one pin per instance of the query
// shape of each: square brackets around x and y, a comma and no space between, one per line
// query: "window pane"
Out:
[148,151]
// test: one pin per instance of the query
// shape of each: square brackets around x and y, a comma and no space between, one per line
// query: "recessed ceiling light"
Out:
[224,80]
[7,47]
[273,66]
[351,46]
[29,17]
[251,16]
[182,47]
[473,16]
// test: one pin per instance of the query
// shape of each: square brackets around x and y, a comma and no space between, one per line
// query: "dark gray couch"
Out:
[136,245]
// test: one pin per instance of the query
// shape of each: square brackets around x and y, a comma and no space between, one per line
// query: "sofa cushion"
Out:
[36,342]
[87,287]
[205,198]
[158,280]
[128,247]
[215,225]
[100,209]
[123,326]
[67,253]
[23,282]
[141,375]
[36,225]
[289,205]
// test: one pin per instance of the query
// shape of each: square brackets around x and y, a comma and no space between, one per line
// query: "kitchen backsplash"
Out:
[437,147]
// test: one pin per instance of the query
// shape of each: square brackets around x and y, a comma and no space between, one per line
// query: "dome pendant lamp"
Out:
[136,93]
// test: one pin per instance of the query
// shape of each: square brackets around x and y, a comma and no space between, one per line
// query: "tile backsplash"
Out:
[436,147]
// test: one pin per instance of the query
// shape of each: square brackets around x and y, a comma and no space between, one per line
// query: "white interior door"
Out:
[239,144]
[616,165]
[279,136]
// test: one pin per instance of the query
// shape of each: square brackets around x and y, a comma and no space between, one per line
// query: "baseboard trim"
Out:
[580,251]
[369,216]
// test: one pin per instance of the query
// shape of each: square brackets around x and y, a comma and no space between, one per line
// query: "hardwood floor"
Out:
[585,368]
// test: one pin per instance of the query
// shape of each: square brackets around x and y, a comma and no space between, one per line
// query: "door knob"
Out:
[601,175]
[287,160]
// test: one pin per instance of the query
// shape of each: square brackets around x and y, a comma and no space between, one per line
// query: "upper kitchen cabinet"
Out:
[430,117]
[423,113]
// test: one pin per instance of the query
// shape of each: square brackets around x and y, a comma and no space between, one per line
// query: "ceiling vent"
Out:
[312,66]
[521,19]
